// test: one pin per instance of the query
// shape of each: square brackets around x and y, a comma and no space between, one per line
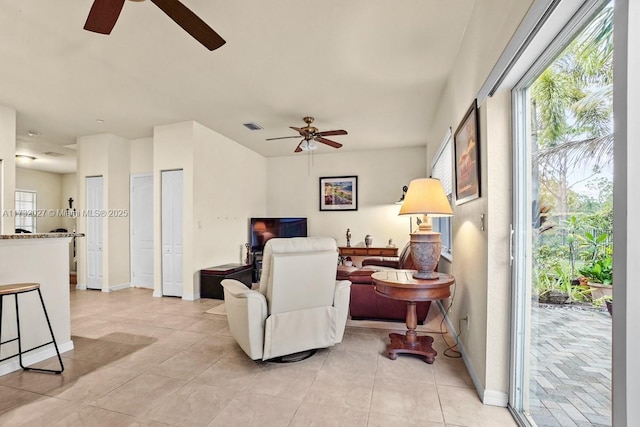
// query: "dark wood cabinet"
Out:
[360,251]
[211,278]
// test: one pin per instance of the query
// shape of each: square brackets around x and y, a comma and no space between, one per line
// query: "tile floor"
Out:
[144,361]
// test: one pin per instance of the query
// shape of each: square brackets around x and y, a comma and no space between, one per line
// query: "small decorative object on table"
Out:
[348,238]
[368,240]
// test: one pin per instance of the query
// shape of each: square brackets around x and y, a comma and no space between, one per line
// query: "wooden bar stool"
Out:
[21,288]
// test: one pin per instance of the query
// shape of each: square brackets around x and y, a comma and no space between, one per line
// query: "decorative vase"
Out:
[368,240]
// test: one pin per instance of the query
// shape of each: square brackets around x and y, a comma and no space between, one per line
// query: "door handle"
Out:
[511,233]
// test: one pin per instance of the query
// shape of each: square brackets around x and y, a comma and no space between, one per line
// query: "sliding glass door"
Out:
[562,227]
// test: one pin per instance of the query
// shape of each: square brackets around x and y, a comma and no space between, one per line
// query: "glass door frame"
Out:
[522,211]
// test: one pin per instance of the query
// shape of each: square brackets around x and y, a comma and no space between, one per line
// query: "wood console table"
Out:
[400,285]
[362,251]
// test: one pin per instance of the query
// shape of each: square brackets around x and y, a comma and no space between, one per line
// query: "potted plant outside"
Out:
[599,276]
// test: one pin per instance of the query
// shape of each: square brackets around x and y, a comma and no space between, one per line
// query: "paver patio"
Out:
[570,367]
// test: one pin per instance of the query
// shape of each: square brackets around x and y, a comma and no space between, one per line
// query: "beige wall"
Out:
[293,190]
[48,189]
[141,156]
[118,224]
[497,165]
[477,277]
[224,184]
[69,190]
[229,187]
[7,167]
[106,155]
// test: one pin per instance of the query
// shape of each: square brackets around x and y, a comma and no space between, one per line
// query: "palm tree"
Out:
[574,98]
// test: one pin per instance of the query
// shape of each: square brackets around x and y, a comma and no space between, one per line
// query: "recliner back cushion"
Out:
[293,245]
[301,280]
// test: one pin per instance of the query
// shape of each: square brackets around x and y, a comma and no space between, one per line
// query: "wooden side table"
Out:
[400,285]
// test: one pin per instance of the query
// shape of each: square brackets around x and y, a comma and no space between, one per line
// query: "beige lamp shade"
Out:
[426,196]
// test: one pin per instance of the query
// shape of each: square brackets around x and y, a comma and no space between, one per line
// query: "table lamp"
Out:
[426,196]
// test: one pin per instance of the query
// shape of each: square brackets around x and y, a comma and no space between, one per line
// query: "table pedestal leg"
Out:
[411,342]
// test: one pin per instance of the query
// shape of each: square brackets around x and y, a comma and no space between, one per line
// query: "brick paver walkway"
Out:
[570,367]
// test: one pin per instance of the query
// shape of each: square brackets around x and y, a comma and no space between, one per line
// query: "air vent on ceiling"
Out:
[53,154]
[252,126]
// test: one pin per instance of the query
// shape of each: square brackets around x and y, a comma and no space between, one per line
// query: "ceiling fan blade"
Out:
[103,16]
[296,129]
[282,137]
[191,23]
[298,148]
[332,132]
[328,142]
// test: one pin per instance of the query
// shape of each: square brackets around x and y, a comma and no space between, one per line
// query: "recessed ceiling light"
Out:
[252,126]
[32,133]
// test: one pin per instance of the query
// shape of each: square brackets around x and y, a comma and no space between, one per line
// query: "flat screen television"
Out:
[263,229]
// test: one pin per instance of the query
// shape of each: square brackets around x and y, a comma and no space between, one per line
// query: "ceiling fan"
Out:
[310,134]
[104,14]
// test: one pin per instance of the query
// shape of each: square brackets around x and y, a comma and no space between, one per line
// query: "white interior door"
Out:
[94,232]
[142,231]
[172,248]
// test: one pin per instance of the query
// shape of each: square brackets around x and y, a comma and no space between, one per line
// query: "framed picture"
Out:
[467,157]
[339,193]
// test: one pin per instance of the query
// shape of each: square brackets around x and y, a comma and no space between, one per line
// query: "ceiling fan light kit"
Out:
[310,134]
[104,15]
[308,145]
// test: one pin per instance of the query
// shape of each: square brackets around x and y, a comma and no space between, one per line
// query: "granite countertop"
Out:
[19,236]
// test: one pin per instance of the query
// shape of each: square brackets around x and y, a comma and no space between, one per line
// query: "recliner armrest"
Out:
[341,304]
[391,262]
[246,314]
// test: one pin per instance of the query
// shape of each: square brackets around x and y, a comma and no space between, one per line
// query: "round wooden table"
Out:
[400,285]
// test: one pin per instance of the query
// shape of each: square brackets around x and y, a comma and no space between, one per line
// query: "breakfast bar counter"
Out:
[36,258]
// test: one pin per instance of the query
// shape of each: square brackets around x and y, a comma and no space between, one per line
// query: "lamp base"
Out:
[425,275]
[425,251]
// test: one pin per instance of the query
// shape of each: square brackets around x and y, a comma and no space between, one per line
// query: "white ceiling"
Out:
[375,68]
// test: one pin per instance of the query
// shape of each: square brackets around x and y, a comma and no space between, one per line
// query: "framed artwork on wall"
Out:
[339,193]
[467,157]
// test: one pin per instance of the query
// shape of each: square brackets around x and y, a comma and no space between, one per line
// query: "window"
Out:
[26,211]
[441,168]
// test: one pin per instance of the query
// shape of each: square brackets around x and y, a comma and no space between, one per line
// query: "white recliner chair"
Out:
[300,306]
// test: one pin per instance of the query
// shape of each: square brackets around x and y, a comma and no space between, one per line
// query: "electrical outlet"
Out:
[466,320]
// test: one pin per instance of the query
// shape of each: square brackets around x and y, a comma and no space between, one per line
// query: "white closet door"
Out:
[172,247]
[94,232]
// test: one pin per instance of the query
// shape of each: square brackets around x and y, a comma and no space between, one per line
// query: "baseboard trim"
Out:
[488,397]
[81,287]
[35,357]
[142,286]
[191,297]
[495,398]
[120,287]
